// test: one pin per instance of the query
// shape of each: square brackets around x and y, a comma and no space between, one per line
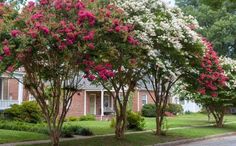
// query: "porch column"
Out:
[102,104]
[138,99]
[85,98]
[20,91]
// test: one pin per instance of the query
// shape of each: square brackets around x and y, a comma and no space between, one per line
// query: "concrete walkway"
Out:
[87,137]
[219,141]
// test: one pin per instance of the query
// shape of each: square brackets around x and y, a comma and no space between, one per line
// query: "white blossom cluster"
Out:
[229,66]
[159,23]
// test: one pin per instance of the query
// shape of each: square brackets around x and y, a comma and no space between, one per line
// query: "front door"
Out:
[92,99]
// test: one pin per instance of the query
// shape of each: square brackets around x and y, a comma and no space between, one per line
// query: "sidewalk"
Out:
[87,137]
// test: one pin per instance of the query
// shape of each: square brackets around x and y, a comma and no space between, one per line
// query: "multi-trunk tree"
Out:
[56,40]
[207,84]
[172,47]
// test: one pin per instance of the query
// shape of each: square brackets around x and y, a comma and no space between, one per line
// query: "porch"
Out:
[98,103]
[11,91]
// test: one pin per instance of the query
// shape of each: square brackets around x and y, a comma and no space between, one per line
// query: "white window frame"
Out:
[146,99]
[2,88]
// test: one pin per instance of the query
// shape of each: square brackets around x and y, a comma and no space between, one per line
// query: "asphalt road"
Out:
[220,141]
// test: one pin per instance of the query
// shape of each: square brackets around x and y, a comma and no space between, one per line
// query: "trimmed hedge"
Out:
[149,110]
[67,130]
[87,118]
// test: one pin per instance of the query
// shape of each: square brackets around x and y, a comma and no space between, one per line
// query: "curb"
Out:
[185,141]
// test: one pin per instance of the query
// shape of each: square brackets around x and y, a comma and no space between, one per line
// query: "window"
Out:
[144,99]
[107,101]
[4,89]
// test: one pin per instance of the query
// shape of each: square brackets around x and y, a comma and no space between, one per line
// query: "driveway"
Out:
[220,141]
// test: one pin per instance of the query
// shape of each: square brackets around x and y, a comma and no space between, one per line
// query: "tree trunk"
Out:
[220,120]
[158,121]
[120,127]
[55,136]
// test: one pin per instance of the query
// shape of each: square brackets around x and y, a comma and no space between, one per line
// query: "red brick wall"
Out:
[77,105]
[135,100]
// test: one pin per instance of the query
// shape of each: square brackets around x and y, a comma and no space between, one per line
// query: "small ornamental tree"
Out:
[229,66]
[207,84]
[116,63]
[54,41]
[172,46]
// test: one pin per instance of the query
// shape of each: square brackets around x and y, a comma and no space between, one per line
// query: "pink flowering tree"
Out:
[116,63]
[207,83]
[55,41]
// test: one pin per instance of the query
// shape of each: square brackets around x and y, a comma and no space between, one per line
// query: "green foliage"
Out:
[70,130]
[28,112]
[220,28]
[113,123]
[135,121]
[174,108]
[87,118]
[149,110]
[23,126]
[72,118]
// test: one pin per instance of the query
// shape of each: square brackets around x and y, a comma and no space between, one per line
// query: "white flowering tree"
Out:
[229,66]
[173,46]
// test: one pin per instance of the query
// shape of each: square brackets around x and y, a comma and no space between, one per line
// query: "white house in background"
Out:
[12,90]
[188,105]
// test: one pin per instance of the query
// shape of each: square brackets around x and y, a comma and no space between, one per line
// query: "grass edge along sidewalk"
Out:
[139,138]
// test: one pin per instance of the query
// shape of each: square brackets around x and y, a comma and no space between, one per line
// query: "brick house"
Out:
[12,90]
[92,99]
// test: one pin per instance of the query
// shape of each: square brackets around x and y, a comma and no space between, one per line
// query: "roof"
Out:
[87,85]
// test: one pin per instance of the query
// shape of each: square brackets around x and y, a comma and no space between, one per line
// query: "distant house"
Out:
[12,90]
[90,99]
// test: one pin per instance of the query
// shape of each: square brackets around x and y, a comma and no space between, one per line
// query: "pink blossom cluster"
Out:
[212,76]
[86,15]
[6,49]
[102,71]
[15,33]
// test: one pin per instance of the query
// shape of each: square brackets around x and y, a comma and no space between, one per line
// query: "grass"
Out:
[149,138]
[103,127]
[14,136]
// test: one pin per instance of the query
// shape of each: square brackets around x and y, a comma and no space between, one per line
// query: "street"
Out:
[220,141]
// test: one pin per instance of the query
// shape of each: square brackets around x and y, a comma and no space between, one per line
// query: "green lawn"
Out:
[103,127]
[13,136]
[149,138]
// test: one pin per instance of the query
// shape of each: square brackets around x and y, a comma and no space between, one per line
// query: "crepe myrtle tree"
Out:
[53,40]
[207,84]
[116,63]
[229,66]
[172,46]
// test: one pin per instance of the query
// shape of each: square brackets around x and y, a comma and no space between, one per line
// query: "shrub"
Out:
[174,108]
[28,112]
[135,121]
[23,126]
[70,130]
[113,123]
[72,118]
[87,118]
[149,110]
[84,132]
